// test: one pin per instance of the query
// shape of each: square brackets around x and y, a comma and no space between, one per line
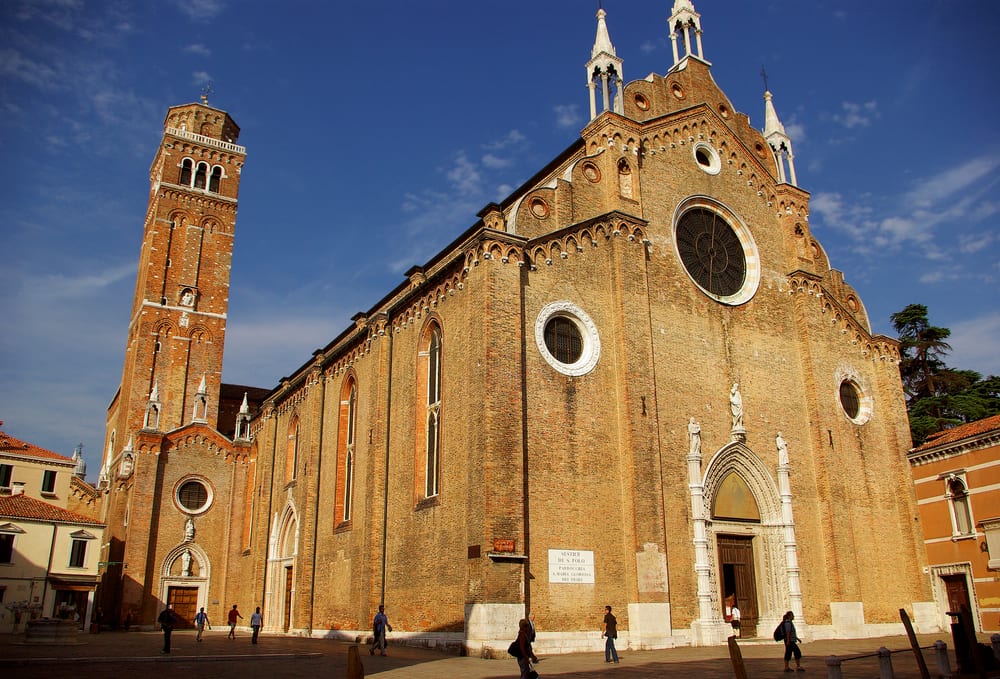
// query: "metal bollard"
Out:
[943,665]
[833,668]
[885,663]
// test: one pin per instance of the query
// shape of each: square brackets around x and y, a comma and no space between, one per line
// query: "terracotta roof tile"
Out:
[25,507]
[963,431]
[13,445]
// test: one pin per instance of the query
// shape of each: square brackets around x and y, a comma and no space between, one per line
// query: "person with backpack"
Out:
[786,632]
[520,648]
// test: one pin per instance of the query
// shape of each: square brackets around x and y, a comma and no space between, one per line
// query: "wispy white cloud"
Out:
[975,344]
[568,116]
[947,183]
[198,49]
[16,66]
[856,115]
[648,47]
[202,10]
[201,78]
[954,196]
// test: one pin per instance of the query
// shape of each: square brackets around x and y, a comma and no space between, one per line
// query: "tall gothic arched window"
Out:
[428,458]
[346,452]
[292,450]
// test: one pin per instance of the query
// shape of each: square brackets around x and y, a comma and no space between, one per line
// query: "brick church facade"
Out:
[636,381]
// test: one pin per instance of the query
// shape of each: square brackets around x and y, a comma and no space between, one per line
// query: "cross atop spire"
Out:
[604,70]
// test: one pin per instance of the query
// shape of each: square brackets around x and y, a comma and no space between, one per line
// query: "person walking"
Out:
[379,626]
[792,642]
[234,615]
[531,637]
[167,620]
[256,622]
[200,620]
[524,653]
[609,630]
[735,620]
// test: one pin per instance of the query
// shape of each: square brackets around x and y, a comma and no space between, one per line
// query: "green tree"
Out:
[938,397]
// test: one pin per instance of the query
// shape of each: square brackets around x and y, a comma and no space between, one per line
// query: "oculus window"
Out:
[193,496]
[853,401]
[567,338]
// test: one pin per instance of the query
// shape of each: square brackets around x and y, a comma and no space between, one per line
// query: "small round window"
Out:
[855,404]
[567,338]
[707,158]
[194,496]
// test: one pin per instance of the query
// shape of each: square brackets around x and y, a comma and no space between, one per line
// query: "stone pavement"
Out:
[137,654]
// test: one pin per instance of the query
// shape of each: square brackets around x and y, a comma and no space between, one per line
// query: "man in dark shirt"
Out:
[609,630]
[167,620]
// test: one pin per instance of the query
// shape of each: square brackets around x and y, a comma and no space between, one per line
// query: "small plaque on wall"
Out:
[571,566]
[504,546]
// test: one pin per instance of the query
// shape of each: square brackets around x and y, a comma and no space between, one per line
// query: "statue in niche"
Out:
[125,468]
[782,449]
[694,436]
[736,406]
[187,299]
[186,563]
[189,530]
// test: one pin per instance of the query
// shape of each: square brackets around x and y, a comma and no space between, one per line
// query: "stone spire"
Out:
[685,32]
[604,70]
[201,402]
[153,408]
[781,144]
[243,421]
[80,471]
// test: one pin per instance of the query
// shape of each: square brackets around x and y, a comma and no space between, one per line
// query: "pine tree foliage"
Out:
[938,397]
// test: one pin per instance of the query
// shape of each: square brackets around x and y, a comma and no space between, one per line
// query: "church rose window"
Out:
[711,252]
[193,496]
[717,250]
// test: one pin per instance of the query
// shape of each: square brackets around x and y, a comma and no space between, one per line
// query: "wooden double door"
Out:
[738,580]
[184,601]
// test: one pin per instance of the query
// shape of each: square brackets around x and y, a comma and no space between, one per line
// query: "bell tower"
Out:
[177,329]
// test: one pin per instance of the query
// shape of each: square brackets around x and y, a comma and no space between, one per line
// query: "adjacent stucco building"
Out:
[956,475]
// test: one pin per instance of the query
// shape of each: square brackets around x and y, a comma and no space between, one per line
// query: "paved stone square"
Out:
[135,654]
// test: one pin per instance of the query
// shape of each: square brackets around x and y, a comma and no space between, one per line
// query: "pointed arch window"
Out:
[428,462]
[292,450]
[961,510]
[187,168]
[201,176]
[215,180]
[346,453]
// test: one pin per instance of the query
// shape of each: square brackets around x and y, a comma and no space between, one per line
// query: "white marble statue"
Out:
[186,562]
[189,529]
[694,436]
[736,406]
[782,449]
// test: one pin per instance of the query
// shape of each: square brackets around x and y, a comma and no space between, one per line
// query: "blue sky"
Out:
[376,130]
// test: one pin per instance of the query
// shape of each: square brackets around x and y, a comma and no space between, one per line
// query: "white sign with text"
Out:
[572,566]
